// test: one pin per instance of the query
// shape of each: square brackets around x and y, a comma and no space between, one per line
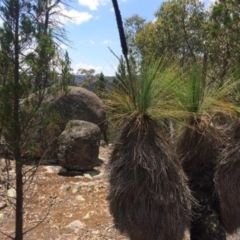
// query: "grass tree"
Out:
[149,197]
[199,145]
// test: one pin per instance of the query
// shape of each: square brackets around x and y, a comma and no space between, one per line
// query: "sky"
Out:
[93,29]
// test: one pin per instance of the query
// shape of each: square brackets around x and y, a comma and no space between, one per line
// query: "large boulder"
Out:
[79,146]
[79,104]
[57,108]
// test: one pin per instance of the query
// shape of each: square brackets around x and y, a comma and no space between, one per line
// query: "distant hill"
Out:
[89,83]
[79,78]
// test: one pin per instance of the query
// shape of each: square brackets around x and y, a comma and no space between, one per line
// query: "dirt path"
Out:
[65,207]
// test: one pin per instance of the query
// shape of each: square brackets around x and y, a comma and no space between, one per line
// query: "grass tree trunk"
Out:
[198,148]
[149,197]
[227,178]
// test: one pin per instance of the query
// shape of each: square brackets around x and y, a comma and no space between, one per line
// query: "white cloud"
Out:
[80,65]
[112,9]
[63,46]
[91,41]
[107,42]
[106,70]
[73,15]
[93,4]
[154,20]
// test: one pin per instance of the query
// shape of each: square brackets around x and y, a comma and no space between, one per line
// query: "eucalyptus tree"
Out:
[178,30]
[132,26]
[225,37]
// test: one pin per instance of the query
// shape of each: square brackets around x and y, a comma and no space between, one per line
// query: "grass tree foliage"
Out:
[149,197]
[26,25]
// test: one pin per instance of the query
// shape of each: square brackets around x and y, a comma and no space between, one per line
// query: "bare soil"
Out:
[55,200]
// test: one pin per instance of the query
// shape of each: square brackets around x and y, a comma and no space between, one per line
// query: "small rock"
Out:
[53,169]
[81,177]
[90,187]
[102,186]
[88,176]
[3,205]
[88,215]
[2,216]
[93,174]
[76,188]
[75,226]
[100,175]
[11,193]
[65,188]
[80,198]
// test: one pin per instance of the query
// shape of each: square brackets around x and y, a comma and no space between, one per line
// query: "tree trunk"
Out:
[19,200]
[16,134]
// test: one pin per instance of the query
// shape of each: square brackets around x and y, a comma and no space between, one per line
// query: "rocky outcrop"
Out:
[79,146]
[57,108]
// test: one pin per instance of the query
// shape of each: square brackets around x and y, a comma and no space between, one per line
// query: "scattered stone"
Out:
[11,193]
[79,146]
[88,215]
[88,176]
[76,188]
[101,186]
[75,226]
[80,198]
[3,205]
[2,216]
[91,187]
[80,177]
[65,188]
[53,169]
[93,174]
[100,175]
